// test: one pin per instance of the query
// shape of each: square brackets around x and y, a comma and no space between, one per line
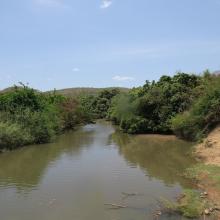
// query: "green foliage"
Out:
[190,205]
[185,104]
[151,107]
[12,135]
[43,126]
[69,113]
[134,125]
[203,115]
[122,108]
[211,172]
[21,98]
[98,106]
[186,126]
[28,116]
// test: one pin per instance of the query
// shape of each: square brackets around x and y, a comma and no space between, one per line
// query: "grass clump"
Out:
[208,173]
[189,205]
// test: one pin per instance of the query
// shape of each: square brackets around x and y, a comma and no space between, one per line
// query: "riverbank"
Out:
[209,153]
[209,150]
[204,202]
[207,172]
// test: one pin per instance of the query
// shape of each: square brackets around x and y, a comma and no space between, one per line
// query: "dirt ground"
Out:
[209,153]
[209,150]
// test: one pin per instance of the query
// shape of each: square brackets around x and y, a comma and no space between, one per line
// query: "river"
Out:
[83,170]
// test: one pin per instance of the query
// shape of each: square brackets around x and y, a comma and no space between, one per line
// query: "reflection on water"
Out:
[25,167]
[161,157]
[77,175]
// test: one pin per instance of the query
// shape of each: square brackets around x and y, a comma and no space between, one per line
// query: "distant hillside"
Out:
[84,90]
[12,88]
[9,89]
[73,92]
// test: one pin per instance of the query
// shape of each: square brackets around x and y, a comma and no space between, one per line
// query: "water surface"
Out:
[73,178]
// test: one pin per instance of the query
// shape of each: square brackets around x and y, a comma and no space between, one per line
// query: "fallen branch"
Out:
[130,194]
[116,206]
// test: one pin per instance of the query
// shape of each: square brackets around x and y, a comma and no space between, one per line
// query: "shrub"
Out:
[203,115]
[151,107]
[22,98]
[12,135]
[97,106]
[69,113]
[43,126]
[33,116]
[187,126]
[28,116]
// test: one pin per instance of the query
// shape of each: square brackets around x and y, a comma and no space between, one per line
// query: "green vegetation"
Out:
[185,104]
[190,205]
[203,115]
[208,178]
[209,173]
[98,105]
[28,116]
[149,109]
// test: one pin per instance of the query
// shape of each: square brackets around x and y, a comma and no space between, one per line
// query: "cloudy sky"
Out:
[98,43]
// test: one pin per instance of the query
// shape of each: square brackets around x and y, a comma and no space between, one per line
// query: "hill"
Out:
[9,89]
[73,92]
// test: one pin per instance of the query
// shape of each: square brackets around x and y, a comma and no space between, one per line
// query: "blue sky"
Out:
[99,43]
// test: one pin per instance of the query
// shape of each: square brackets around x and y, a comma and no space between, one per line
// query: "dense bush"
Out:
[151,107]
[203,115]
[28,116]
[22,98]
[98,105]
[185,104]
[122,108]
[12,135]
[69,113]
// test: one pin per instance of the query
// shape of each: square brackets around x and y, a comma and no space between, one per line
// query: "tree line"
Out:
[187,105]
[31,117]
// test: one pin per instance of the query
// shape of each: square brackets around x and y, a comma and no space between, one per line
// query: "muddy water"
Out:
[75,177]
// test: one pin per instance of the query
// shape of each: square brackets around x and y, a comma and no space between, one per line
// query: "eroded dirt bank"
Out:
[207,173]
[209,149]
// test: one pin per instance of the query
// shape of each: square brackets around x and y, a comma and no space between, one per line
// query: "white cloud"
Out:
[123,78]
[106,4]
[75,69]
[51,3]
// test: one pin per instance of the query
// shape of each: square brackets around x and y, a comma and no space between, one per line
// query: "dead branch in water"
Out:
[130,194]
[116,206]
[126,195]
